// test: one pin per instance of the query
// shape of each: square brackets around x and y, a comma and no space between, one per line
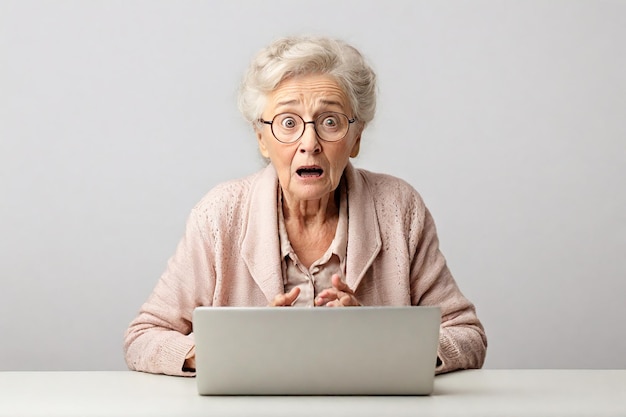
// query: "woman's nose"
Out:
[310,142]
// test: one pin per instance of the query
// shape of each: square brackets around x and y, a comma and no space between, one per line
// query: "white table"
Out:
[501,393]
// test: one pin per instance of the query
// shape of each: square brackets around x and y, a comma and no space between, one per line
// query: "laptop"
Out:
[316,351]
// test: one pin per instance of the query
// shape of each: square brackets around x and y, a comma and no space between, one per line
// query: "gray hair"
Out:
[294,56]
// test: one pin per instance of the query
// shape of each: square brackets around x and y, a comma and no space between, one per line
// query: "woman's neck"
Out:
[311,213]
[311,226]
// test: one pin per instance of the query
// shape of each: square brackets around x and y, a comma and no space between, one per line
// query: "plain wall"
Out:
[507,116]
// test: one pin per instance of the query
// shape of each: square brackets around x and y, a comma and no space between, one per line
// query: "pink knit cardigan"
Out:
[229,256]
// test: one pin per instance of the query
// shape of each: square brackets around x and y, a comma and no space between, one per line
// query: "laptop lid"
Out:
[316,351]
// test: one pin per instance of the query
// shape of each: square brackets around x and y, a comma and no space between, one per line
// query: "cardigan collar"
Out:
[260,245]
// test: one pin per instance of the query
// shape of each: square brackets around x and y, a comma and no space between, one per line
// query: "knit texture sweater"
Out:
[230,256]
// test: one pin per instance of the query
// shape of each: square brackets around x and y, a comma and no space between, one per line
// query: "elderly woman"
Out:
[309,229]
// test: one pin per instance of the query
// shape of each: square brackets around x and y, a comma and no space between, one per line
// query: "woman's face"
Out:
[309,168]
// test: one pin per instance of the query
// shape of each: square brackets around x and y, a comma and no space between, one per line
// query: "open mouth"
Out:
[310,172]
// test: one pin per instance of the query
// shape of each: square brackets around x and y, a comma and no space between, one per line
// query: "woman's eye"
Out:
[288,123]
[330,122]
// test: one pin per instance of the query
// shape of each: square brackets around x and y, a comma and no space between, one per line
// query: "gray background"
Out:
[508,116]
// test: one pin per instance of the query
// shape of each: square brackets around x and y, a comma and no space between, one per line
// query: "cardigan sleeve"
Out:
[159,339]
[462,339]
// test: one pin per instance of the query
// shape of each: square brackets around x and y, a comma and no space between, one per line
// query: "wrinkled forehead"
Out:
[310,92]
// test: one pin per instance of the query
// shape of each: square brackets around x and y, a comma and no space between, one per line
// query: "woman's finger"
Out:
[338,296]
[287,299]
[340,285]
[325,297]
[292,296]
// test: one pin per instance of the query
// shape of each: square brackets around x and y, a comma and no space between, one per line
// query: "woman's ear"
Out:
[356,147]
[262,147]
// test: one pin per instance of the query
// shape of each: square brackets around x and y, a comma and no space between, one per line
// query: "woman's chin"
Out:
[309,192]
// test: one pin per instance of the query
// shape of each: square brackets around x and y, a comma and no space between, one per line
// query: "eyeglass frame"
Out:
[271,124]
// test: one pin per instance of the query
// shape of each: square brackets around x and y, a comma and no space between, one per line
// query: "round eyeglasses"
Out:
[329,126]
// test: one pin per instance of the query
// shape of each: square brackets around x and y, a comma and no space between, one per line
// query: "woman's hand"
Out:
[340,295]
[190,361]
[282,300]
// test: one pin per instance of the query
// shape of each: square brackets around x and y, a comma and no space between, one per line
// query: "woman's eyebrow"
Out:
[319,103]
[286,103]
[331,103]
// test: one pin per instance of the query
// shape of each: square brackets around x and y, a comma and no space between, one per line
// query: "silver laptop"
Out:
[316,351]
